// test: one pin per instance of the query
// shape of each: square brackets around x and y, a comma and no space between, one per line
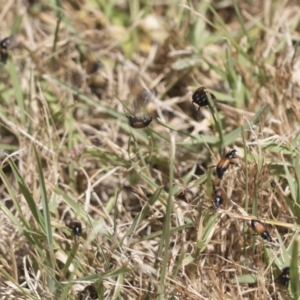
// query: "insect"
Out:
[93,66]
[218,197]
[200,97]
[139,122]
[260,229]
[284,277]
[76,227]
[4,46]
[224,163]
[89,292]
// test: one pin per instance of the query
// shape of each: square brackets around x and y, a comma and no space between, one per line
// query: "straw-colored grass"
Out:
[76,70]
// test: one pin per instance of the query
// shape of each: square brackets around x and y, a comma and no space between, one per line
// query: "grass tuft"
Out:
[71,75]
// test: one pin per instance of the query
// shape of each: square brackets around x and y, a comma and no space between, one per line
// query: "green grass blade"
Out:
[294,273]
[167,223]
[118,288]
[207,231]
[47,220]
[17,90]
[59,18]
[105,275]
[240,18]
[27,195]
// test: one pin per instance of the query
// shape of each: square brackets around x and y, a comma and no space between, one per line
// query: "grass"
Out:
[76,69]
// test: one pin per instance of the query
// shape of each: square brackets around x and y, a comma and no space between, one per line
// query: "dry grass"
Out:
[76,69]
